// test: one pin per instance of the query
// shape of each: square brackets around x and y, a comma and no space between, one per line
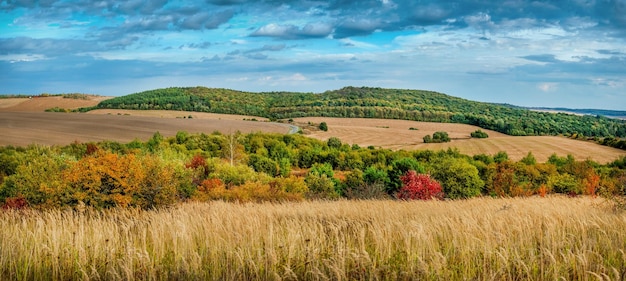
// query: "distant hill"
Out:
[368,102]
[616,114]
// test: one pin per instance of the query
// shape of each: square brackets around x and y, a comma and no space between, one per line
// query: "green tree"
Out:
[529,159]
[458,178]
[323,126]
[334,143]
[479,134]
[264,165]
[399,167]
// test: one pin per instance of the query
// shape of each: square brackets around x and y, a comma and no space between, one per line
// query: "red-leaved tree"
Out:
[419,186]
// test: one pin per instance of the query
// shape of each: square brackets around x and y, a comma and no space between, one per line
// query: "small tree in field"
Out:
[419,186]
[323,126]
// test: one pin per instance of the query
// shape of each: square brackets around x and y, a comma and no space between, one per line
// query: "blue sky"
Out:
[528,53]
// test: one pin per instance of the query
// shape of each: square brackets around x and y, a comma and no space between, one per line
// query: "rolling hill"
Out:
[364,102]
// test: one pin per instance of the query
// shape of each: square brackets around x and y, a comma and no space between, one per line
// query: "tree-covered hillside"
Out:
[372,103]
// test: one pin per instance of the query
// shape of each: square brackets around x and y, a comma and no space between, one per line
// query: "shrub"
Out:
[500,157]
[264,165]
[323,126]
[160,185]
[320,186]
[334,142]
[479,134]
[419,186]
[438,137]
[366,191]
[234,175]
[291,184]
[565,183]
[458,178]
[38,181]
[529,159]
[399,168]
[104,180]
[15,203]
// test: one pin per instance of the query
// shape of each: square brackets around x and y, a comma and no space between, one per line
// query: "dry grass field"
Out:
[395,134]
[553,238]
[39,104]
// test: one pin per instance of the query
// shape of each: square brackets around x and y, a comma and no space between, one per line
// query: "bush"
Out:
[264,165]
[458,178]
[419,187]
[323,126]
[320,186]
[366,191]
[438,137]
[334,142]
[399,168]
[479,134]
[15,203]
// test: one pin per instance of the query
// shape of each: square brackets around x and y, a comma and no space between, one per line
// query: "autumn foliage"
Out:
[274,167]
[419,187]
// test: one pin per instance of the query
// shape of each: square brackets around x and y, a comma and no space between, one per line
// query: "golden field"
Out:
[478,239]
[395,134]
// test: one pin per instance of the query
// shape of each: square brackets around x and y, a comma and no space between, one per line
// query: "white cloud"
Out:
[548,87]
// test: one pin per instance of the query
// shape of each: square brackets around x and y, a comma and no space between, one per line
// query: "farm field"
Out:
[50,128]
[39,104]
[530,238]
[395,134]
[23,122]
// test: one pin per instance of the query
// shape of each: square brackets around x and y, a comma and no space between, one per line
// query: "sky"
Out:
[528,53]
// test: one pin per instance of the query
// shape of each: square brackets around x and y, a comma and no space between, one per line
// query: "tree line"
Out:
[274,167]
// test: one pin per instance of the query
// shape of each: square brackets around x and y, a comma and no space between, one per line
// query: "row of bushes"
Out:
[273,167]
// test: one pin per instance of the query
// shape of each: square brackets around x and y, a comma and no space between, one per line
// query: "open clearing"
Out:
[23,122]
[395,134]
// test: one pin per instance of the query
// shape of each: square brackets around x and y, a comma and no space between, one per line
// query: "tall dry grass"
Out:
[485,239]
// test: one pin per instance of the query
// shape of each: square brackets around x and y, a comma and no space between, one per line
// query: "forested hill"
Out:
[371,103]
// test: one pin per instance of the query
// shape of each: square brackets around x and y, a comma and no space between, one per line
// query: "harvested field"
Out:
[50,128]
[39,104]
[395,134]
[175,114]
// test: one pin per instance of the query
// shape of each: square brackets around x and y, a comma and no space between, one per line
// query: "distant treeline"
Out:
[78,96]
[366,102]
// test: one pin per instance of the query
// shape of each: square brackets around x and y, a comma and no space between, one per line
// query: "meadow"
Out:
[530,238]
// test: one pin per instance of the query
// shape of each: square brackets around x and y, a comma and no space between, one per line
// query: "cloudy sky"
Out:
[522,52]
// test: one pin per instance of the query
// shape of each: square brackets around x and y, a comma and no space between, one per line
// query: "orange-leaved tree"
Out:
[105,179]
